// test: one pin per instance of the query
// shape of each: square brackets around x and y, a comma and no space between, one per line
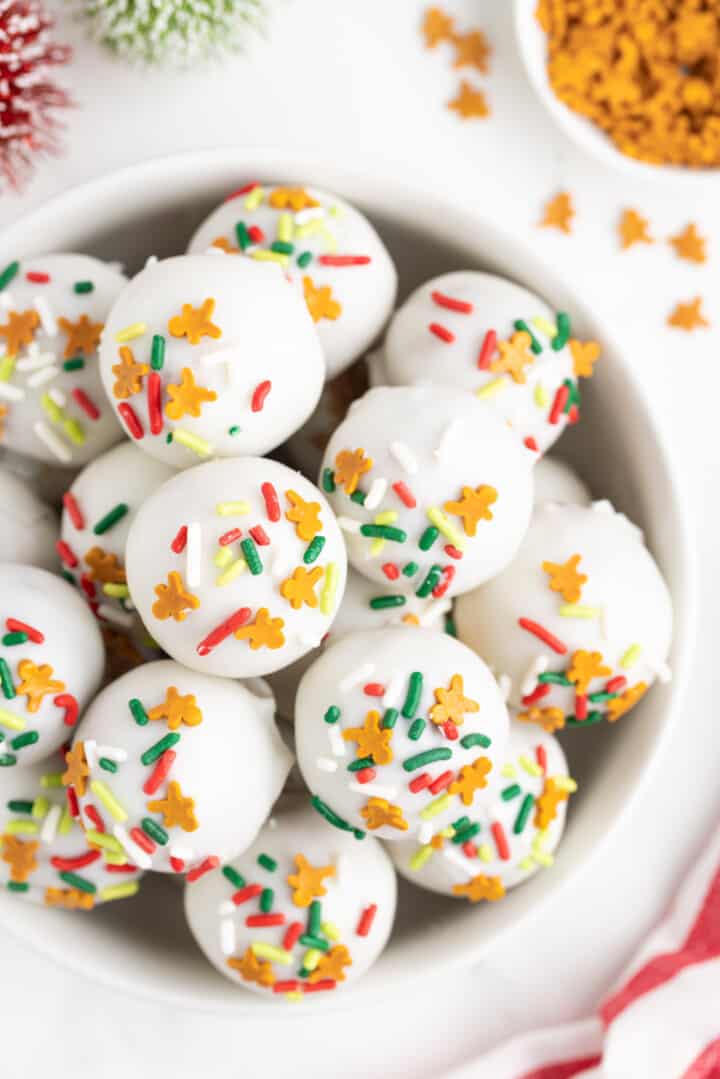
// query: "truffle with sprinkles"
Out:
[46,855]
[480,857]
[397,730]
[488,335]
[210,358]
[330,251]
[52,311]
[305,910]
[580,622]
[237,568]
[196,764]
[51,663]
[432,491]
[28,527]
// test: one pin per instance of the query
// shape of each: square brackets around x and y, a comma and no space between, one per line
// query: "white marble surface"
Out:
[353,77]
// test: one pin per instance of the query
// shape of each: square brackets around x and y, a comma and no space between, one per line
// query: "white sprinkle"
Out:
[505,686]
[404,457]
[35,360]
[226,907]
[46,374]
[310,213]
[135,853]
[376,493]
[374,790]
[11,393]
[394,691]
[447,436]
[326,765]
[51,440]
[58,397]
[50,824]
[349,525]
[458,859]
[227,936]
[150,261]
[337,743]
[118,618]
[47,318]
[425,832]
[360,674]
[538,666]
[113,753]
[227,356]
[193,554]
[434,611]
[91,753]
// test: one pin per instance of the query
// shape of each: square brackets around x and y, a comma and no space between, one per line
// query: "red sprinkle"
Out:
[180,541]
[200,870]
[95,819]
[344,260]
[616,684]
[442,332]
[160,771]
[74,512]
[501,842]
[67,555]
[72,802]
[441,782]
[260,536]
[532,444]
[154,402]
[72,709]
[451,731]
[272,506]
[451,303]
[539,631]
[14,626]
[85,403]
[452,552]
[365,775]
[256,234]
[37,277]
[541,757]
[366,920]
[405,494]
[244,190]
[230,537]
[561,399]
[319,987]
[487,350]
[126,867]
[260,393]
[469,849]
[294,932]
[581,706]
[573,415]
[257,920]
[218,635]
[178,864]
[80,862]
[246,893]
[131,420]
[290,985]
[374,689]
[143,841]
[391,571]
[541,690]
[419,783]
[88,586]
[440,589]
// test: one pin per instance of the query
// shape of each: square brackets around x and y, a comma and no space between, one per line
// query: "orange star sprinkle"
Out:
[224,244]
[633,229]
[264,632]
[19,330]
[331,965]
[688,316]
[472,50]
[77,769]
[689,244]
[188,398]
[474,506]
[350,465]
[436,27]
[627,700]
[173,599]
[69,899]
[304,515]
[320,301]
[177,810]
[550,719]
[195,322]
[300,588]
[481,887]
[37,682]
[452,704]
[307,882]
[472,778]
[20,856]
[177,710]
[82,336]
[558,213]
[469,103]
[584,667]
[564,578]
[129,374]
[378,811]
[292,198]
[372,739]
[515,356]
[252,969]
[104,567]
[585,355]
[546,805]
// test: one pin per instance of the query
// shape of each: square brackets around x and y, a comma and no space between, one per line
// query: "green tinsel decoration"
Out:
[175,32]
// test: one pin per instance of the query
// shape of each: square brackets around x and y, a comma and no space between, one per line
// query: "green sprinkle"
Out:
[359,497]
[466,833]
[76,881]
[513,791]
[7,760]
[390,718]
[156,831]
[20,806]
[252,557]
[151,755]
[8,274]
[51,780]
[14,638]
[309,941]
[29,738]
[450,627]
[305,259]
[592,718]
[380,603]
[234,430]
[243,236]
[384,532]
[601,698]
[535,345]
[563,332]
[315,918]
[83,286]
[523,814]
[107,765]
[428,757]
[416,728]
[313,551]
[333,818]
[469,740]
[332,715]
[554,679]
[267,862]
[303,972]
[360,763]
[267,897]
[461,824]
[328,480]
[68,577]
[235,878]
[410,569]
[106,523]
[157,352]
[77,363]
[17,886]
[431,581]
[412,699]
[428,538]
[6,681]
[138,712]
[282,248]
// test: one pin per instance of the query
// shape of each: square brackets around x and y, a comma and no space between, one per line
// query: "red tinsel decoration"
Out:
[28,97]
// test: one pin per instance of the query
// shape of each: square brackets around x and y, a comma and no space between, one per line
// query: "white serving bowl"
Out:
[532,45]
[143,945]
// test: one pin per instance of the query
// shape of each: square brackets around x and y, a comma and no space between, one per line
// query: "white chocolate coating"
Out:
[622,612]
[304,450]
[120,479]
[53,678]
[28,527]
[441,695]
[48,412]
[40,841]
[556,481]
[229,761]
[359,876]
[364,291]
[518,833]
[210,501]
[256,333]
[414,354]
[444,447]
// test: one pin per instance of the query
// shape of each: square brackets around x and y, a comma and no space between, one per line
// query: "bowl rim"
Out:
[581,131]
[410,204]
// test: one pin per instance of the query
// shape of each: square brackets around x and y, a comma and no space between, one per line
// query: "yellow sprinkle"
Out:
[109,800]
[509,771]
[66,823]
[439,805]
[579,610]
[270,256]
[120,891]
[631,656]
[491,388]
[50,409]
[565,783]
[137,329]
[545,860]
[107,842]
[448,832]
[51,779]
[327,597]
[545,326]
[40,808]
[269,951]
[311,958]
[530,766]
[310,228]
[285,228]
[74,431]
[485,853]
[255,197]
[192,442]
[7,366]
[527,863]
[115,859]
[330,930]
[118,591]
[438,518]
[376,547]
[232,509]
[328,237]
[421,856]
[295,995]
[542,397]
[21,827]
[11,721]
[387,517]
[223,556]
[231,572]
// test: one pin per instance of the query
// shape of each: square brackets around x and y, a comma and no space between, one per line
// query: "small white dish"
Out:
[143,945]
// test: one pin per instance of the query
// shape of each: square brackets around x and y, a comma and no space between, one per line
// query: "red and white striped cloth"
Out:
[662,1020]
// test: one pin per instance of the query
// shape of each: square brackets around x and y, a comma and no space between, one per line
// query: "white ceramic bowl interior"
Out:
[143,945]
[532,45]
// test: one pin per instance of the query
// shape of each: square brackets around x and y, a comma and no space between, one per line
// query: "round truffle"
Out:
[482,856]
[237,568]
[556,481]
[488,335]
[431,490]
[51,662]
[580,622]
[328,249]
[305,910]
[199,765]
[398,731]
[52,404]
[210,358]
[28,527]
